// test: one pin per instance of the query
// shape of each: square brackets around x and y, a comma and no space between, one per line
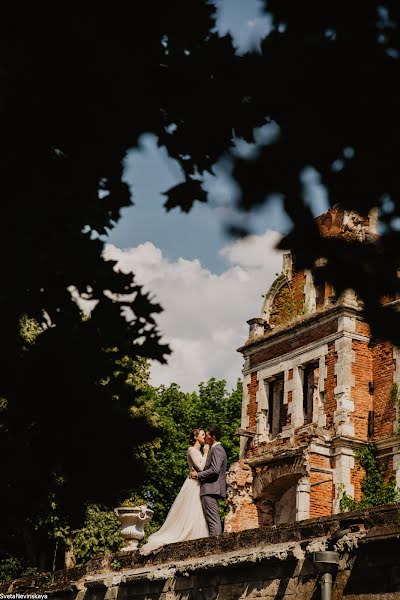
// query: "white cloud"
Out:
[205,314]
[251,251]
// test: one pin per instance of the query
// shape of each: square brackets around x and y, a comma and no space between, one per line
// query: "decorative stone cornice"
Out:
[280,456]
[248,433]
[308,322]
[343,441]
[390,442]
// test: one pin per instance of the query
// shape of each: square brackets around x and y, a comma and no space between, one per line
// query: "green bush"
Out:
[12,568]
[99,535]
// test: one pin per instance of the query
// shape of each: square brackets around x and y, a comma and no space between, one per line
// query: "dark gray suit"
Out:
[213,487]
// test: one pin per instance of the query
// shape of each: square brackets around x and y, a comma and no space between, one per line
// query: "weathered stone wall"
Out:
[274,563]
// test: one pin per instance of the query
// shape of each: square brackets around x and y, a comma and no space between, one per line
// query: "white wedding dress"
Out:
[185,520]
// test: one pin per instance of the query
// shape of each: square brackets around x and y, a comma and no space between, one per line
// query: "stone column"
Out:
[297,397]
[342,475]
[310,295]
[396,465]
[262,430]
[303,499]
[344,382]
[323,372]
[245,417]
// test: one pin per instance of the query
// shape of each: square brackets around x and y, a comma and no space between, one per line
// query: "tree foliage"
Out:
[100,534]
[178,413]
[12,567]
[75,451]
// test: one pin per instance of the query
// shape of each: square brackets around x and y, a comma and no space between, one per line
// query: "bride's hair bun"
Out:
[194,434]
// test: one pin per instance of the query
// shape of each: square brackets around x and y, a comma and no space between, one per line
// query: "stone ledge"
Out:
[313,319]
[283,542]
[281,454]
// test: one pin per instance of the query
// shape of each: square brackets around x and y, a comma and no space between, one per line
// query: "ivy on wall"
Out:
[375,490]
[285,306]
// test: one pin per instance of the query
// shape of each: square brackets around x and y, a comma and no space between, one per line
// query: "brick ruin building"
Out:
[316,388]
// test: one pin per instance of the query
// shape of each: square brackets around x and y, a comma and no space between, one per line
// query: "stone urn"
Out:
[133,519]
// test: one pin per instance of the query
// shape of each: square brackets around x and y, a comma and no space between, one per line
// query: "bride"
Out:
[185,520]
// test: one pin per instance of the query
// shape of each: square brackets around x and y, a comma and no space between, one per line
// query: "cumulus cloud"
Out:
[205,314]
[253,251]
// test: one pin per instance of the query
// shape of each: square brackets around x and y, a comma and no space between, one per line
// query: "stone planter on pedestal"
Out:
[133,519]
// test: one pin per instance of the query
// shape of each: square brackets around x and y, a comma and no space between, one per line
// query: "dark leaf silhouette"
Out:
[184,195]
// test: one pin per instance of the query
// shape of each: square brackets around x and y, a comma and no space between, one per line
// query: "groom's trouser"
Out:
[211,513]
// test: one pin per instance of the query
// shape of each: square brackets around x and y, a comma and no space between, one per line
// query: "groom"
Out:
[212,480]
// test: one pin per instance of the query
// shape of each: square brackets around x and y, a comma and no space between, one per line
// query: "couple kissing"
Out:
[194,513]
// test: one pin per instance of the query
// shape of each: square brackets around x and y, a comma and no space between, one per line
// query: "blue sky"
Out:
[149,171]
[208,284]
[198,234]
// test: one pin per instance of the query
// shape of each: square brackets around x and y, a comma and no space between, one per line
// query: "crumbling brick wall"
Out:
[360,393]
[252,405]
[383,375]
[330,404]
[243,512]
[321,485]
[288,302]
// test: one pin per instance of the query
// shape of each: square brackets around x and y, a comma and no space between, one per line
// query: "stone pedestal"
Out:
[133,519]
